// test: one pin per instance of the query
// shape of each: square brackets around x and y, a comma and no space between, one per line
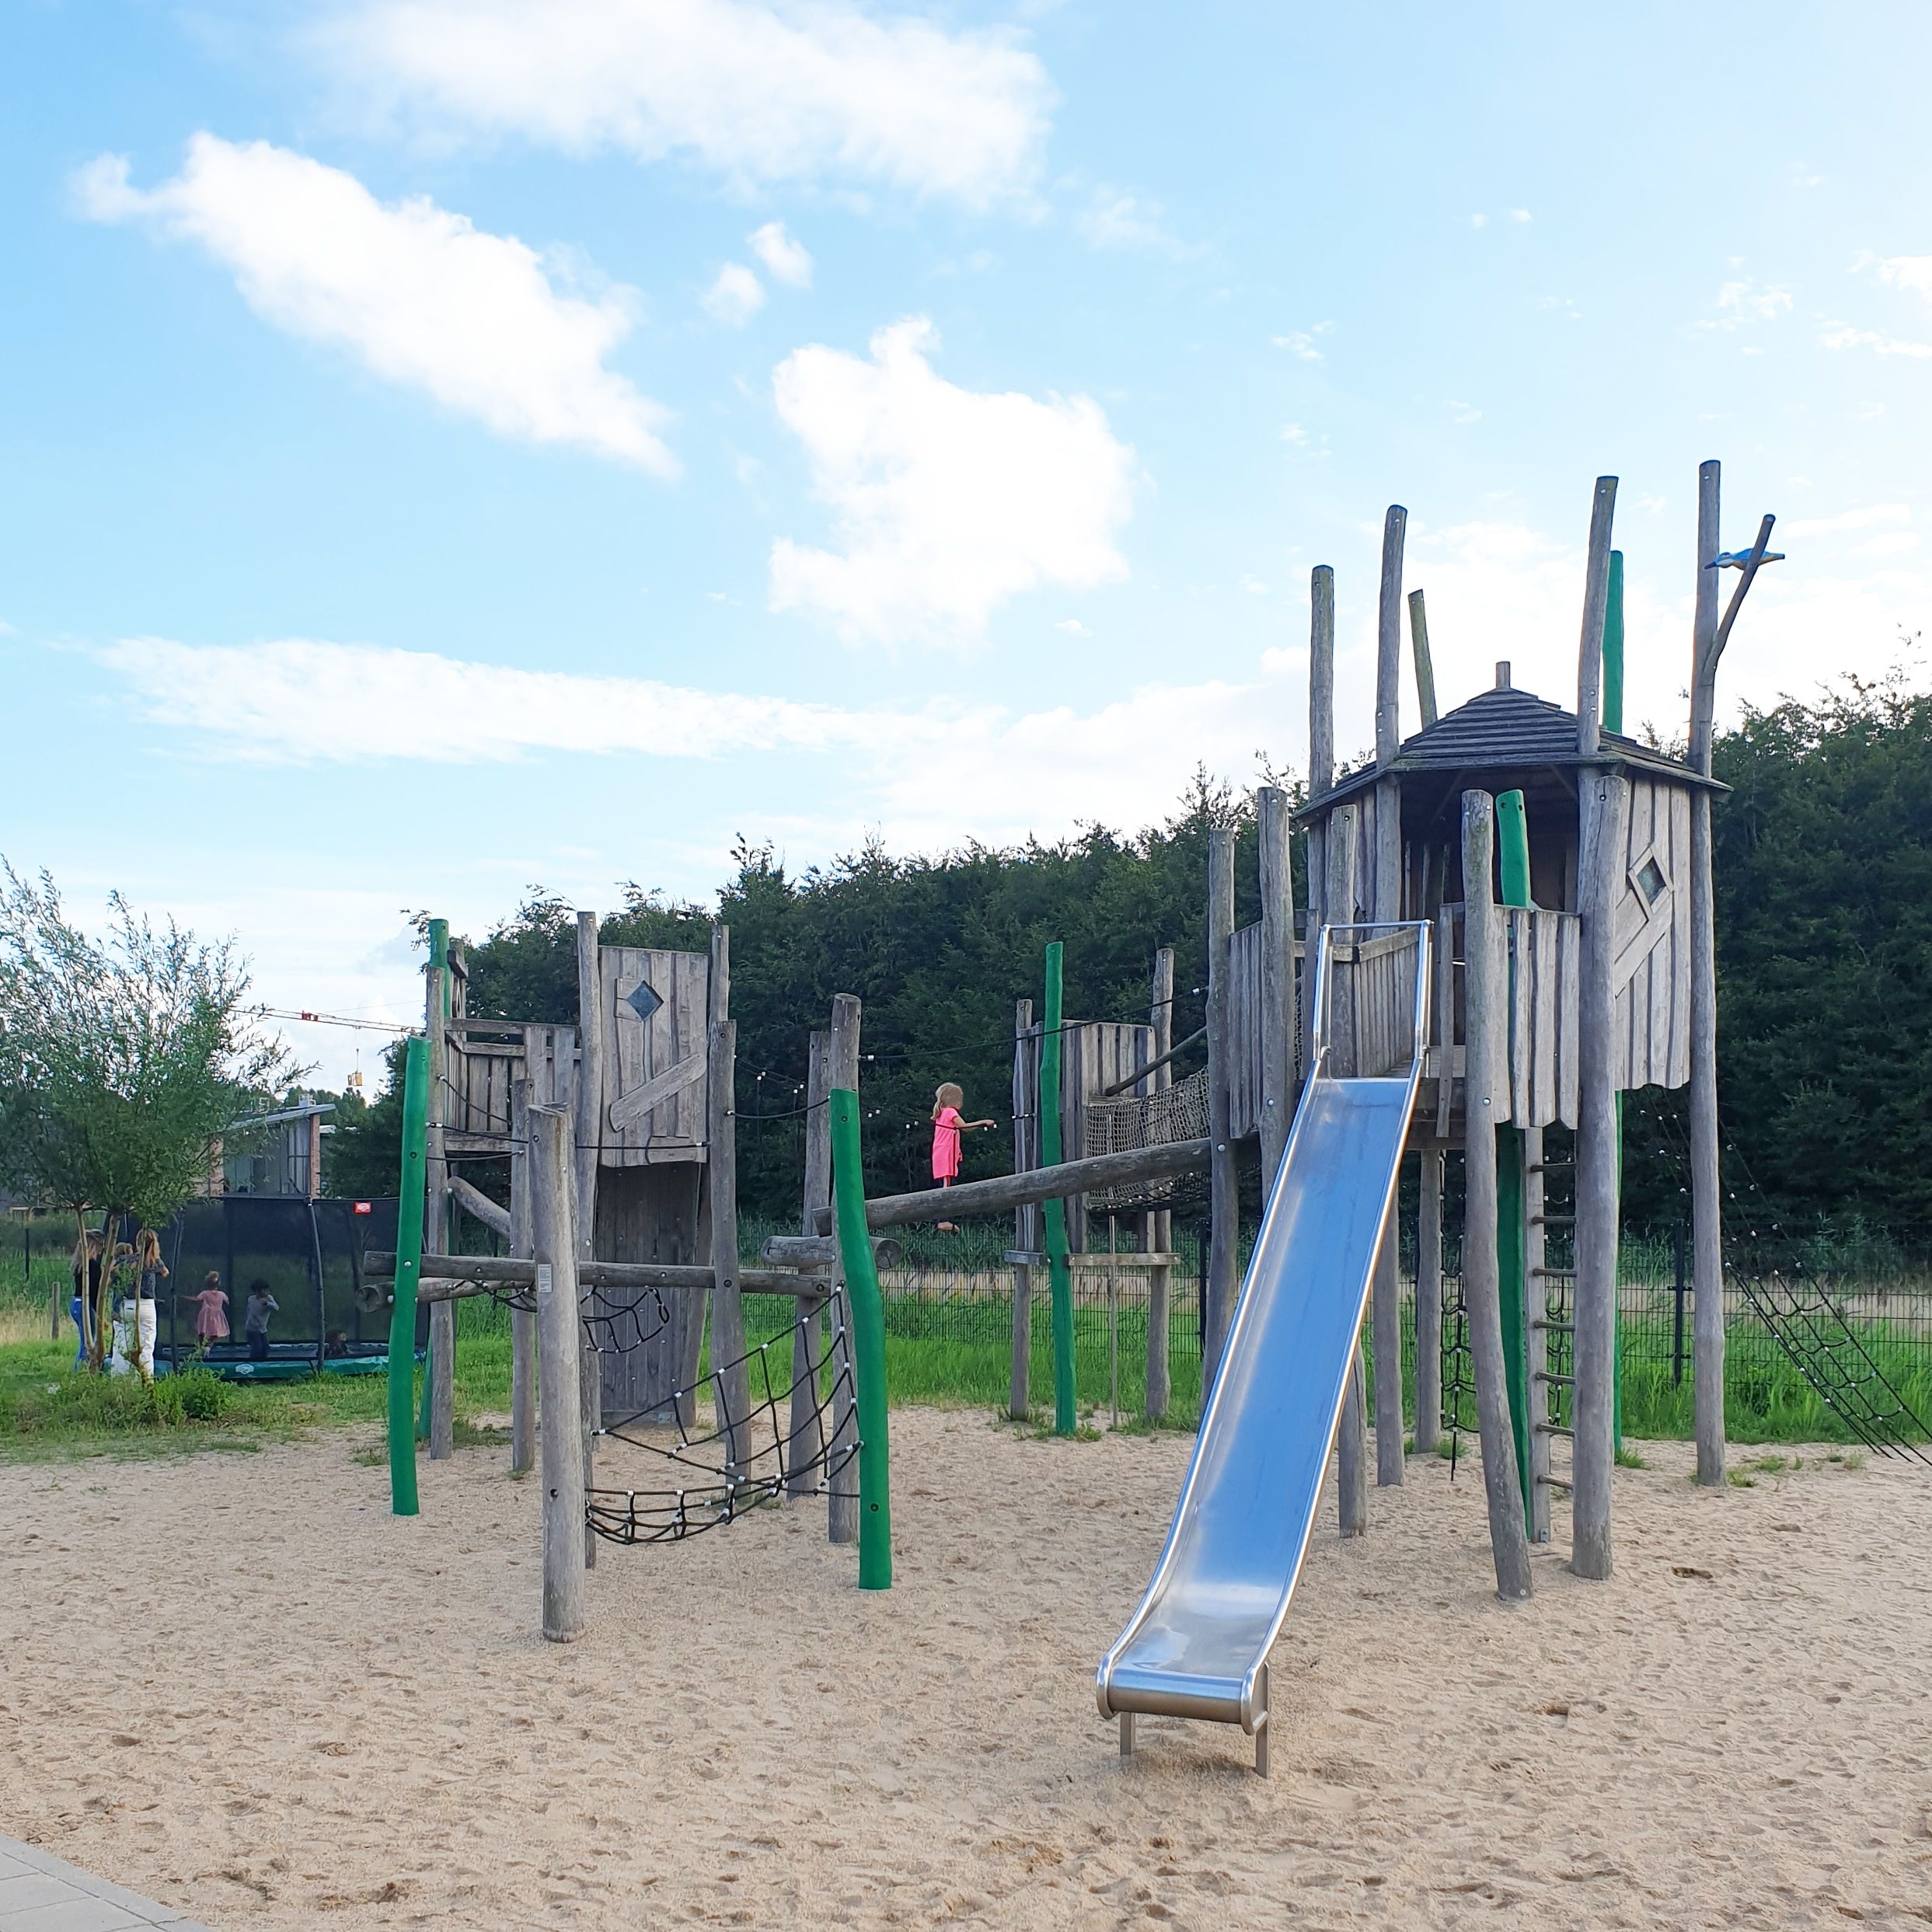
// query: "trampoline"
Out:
[330,1319]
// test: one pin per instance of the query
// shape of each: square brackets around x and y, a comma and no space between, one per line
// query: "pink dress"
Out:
[210,1315]
[946,1143]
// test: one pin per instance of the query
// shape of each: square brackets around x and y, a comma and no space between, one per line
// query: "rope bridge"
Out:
[1176,1113]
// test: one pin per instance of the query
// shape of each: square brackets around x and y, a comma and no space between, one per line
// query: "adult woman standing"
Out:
[85,1305]
[150,1272]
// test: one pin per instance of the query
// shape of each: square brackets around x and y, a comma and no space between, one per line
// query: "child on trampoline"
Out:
[261,1305]
[948,1126]
[211,1312]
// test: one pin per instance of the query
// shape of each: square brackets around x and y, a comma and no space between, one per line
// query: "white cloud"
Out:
[793,92]
[1908,271]
[1294,433]
[1479,221]
[1870,516]
[1740,303]
[1463,412]
[1838,335]
[946,501]
[421,296]
[1520,214]
[785,258]
[1116,221]
[1008,772]
[1073,627]
[735,297]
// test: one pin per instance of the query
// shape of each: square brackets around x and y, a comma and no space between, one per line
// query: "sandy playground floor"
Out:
[239,1684]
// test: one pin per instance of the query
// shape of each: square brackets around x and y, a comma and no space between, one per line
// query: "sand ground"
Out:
[237,1683]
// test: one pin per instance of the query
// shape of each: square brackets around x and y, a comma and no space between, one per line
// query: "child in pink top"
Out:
[948,1126]
[211,1311]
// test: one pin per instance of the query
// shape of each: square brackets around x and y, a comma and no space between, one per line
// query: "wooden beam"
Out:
[589,1123]
[822,1251]
[721,1174]
[1224,1190]
[554,1236]
[459,1275]
[641,1100]
[1389,639]
[523,1321]
[1159,1226]
[1485,986]
[1599,875]
[1277,981]
[1062,1182]
[478,1206]
[1424,663]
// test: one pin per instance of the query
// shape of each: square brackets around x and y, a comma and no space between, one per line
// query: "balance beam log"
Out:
[460,1274]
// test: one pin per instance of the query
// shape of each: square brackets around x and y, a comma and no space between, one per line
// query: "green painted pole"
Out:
[868,1341]
[1512,1257]
[1059,1270]
[408,1268]
[438,963]
[1613,721]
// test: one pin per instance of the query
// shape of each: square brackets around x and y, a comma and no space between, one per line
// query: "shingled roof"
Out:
[1506,730]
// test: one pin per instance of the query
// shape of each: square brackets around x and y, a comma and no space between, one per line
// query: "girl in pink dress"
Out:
[948,1126]
[211,1311]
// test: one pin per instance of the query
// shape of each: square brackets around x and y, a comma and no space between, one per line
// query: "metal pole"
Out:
[1059,1271]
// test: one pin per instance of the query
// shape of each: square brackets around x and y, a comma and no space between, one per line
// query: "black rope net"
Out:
[1459,1366]
[792,1431]
[776,1420]
[1179,1112]
[1781,1288]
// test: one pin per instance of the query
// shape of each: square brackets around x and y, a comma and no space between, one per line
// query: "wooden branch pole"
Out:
[1707,1193]
[728,1364]
[1389,638]
[1596,600]
[590,1080]
[1351,1442]
[1428,1304]
[1424,663]
[410,1196]
[868,1349]
[1485,994]
[560,1331]
[1321,776]
[523,1321]
[1020,1377]
[459,1276]
[1059,1272]
[1159,1225]
[1223,1179]
[478,1206]
[1535,1309]
[842,1502]
[1278,981]
[1604,798]
[805,1442]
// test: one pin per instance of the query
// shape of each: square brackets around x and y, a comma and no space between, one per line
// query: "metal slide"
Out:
[1197,1646]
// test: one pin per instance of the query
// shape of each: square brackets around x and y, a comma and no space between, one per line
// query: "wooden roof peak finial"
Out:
[1502,673]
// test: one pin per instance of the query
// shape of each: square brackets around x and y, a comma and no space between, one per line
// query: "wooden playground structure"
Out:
[1563,869]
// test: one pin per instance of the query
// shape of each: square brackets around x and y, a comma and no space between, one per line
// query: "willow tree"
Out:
[122,1059]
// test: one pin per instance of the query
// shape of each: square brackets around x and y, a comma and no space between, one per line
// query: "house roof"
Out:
[1507,730]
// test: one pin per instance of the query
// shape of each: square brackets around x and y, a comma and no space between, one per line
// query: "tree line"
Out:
[1823,863]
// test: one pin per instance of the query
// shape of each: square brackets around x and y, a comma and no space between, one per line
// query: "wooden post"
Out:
[1025,1222]
[1707,1193]
[1338,908]
[1485,987]
[560,1331]
[1321,776]
[1160,1225]
[1604,800]
[841,1507]
[1389,638]
[590,1080]
[523,1321]
[1428,1305]
[1424,663]
[1223,1182]
[804,1441]
[442,1315]
[1536,1304]
[728,1366]
[1596,603]
[1278,982]
[590,1420]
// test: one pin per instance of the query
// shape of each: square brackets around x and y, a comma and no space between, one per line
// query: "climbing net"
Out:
[1179,1112]
[777,1420]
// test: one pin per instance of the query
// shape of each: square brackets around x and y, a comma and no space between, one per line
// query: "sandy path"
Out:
[298,1710]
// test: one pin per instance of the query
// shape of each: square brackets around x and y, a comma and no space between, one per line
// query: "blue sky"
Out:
[454,445]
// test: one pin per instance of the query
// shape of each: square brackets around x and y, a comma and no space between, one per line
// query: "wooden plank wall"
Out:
[479,1071]
[1244,1028]
[636,1050]
[1372,1012]
[1094,1054]
[1651,965]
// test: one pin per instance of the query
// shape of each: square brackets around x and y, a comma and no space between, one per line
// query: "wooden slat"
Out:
[1547,1019]
[1678,1068]
[1569,1033]
[639,1052]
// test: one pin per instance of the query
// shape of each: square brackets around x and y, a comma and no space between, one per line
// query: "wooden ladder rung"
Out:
[1555,1220]
[1557,1327]
[1551,1428]
[1554,1482]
